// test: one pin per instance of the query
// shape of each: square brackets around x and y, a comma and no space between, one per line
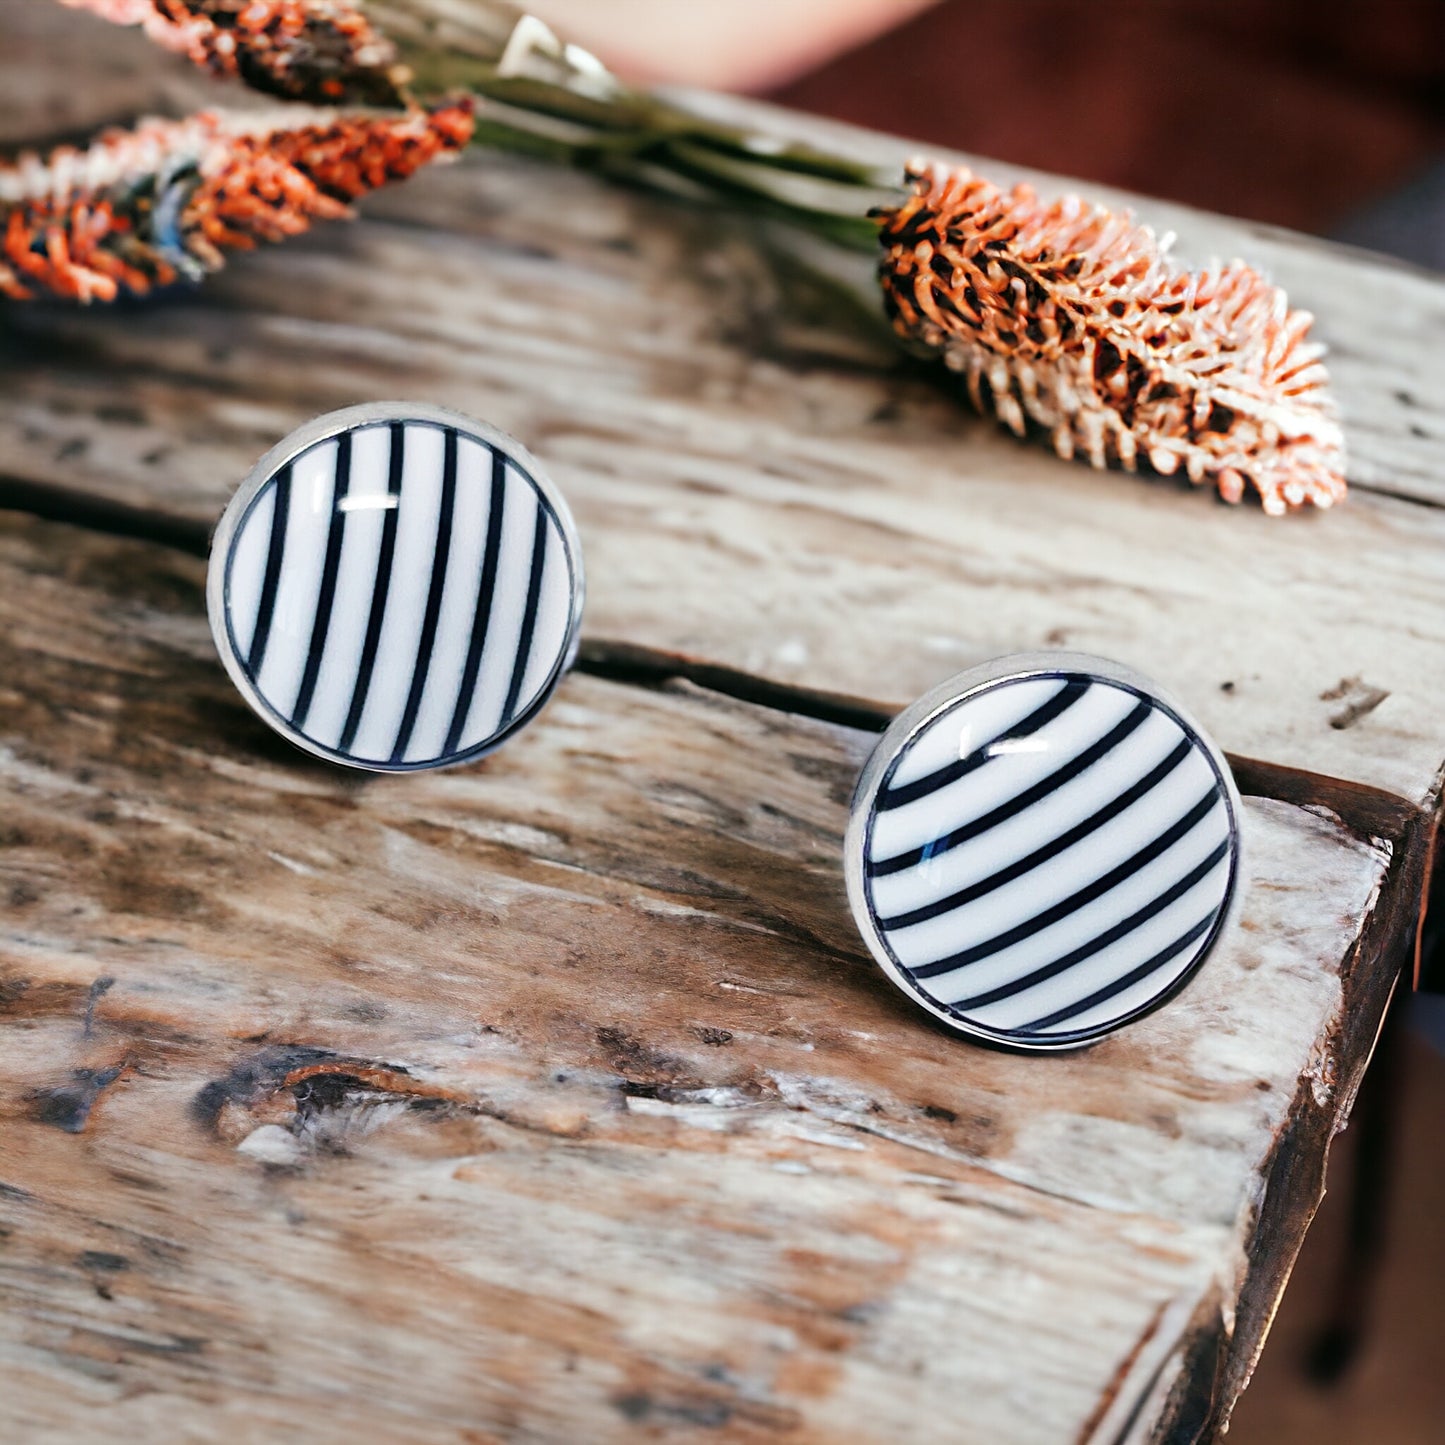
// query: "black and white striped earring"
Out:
[1042,850]
[396,587]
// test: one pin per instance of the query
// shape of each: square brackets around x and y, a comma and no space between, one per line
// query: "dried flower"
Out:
[146,207]
[1073,320]
[1063,318]
[313,50]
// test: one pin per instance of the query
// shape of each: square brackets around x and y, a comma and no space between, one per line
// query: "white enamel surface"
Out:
[1063,876]
[1077,983]
[1053,949]
[248,569]
[367,502]
[416,536]
[454,632]
[1018,837]
[402,709]
[1027,761]
[519,520]
[307,520]
[550,636]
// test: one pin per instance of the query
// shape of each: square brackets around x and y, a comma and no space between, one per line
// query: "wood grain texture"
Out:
[770,494]
[556,1099]
[779,469]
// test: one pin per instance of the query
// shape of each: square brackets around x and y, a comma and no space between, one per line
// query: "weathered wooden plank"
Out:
[555,1099]
[762,488]
[798,516]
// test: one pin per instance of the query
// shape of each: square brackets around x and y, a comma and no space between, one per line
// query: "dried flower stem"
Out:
[147,207]
[540,96]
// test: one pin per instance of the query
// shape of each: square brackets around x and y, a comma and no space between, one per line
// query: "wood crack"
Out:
[100,514]
[1373,489]
[1366,811]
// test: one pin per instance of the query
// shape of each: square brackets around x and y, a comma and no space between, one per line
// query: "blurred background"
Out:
[1323,115]
[1327,116]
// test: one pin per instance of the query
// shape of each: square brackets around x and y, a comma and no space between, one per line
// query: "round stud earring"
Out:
[396,587]
[1042,850]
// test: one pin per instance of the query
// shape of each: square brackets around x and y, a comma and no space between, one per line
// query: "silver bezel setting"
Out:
[919,715]
[355,418]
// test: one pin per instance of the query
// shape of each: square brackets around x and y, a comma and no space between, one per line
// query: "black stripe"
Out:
[1086,895]
[1058,702]
[271,579]
[1001,814]
[432,615]
[1122,929]
[529,617]
[1135,975]
[482,617]
[1051,849]
[327,595]
[380,587]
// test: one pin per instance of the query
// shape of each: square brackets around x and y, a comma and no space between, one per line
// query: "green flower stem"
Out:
[539,97]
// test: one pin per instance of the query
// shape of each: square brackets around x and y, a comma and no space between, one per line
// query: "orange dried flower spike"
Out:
[146,207]
[313,50]
[1073,320]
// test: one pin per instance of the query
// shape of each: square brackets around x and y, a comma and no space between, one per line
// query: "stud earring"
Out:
[1042,850]
[396,587]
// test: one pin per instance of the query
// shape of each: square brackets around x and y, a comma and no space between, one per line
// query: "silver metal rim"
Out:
[354,418]
[913,720]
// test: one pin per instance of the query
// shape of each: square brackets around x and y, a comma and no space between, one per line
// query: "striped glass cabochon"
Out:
[399,592]
[1046,856]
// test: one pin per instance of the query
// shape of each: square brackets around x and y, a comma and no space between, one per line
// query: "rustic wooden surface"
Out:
[555,1099]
